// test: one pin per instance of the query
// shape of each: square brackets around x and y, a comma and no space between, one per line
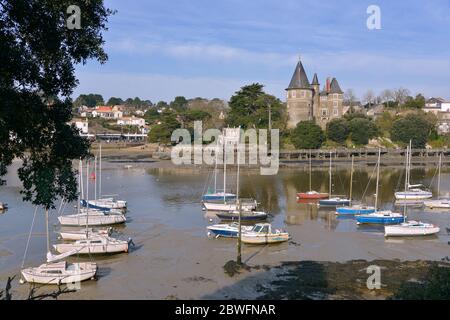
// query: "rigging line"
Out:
[368,182]
[29,238]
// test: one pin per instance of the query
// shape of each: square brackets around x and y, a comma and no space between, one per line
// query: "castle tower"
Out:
[316,96]
[299,97]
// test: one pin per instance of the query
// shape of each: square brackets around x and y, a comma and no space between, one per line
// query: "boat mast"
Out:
[87,196]
[329,173]
[80,184]
[100,170]
[95,177]
[439,175]
[46,228]
[310,171]
[224,167]
[351,180]
[378,180]
[215,166]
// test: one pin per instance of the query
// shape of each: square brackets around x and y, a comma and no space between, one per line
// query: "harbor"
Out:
[173,257]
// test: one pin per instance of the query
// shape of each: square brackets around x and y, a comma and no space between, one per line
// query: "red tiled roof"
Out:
[104,109]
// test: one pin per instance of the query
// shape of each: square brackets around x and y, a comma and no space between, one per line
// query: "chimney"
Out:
[328,88]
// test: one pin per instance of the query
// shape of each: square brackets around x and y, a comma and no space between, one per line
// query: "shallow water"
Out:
[167,225]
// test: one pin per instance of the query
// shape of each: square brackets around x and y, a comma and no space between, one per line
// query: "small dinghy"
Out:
[262,233]
[438,204]
[60,272]
[99,245]
[245,215]
[334,202]
[226,230]
[355,209]
[94,218]
[411,228]
[380,217]
[83,234]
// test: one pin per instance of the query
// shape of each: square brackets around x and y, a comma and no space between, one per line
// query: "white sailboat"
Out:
[98,244]
[91,217]
[411,228]
[59,272]
[411,192]
[72,235]
[333,201]
[438,203]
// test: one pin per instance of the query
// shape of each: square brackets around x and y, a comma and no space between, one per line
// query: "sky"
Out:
[202,48]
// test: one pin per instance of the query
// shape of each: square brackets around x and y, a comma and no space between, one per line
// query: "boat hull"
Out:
[354,210]
[226,231]
[368,219]
[82,235]
[92,248]
[244,216]
[212,206]
[93,220]
[413,195]
[264,238]
[444,204]
[81,272]
[218,196]
[306,195]
[401,231]
[334,203]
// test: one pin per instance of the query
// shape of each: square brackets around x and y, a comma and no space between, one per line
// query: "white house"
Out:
[81,125]
[131,121]
[436,105]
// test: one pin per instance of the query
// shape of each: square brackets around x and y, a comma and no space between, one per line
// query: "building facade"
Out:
[305,100]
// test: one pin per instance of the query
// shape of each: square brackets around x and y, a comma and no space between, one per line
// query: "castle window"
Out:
[324,112]
[335,112]
[335,103]
[293,94]
[302,94]
[336,96]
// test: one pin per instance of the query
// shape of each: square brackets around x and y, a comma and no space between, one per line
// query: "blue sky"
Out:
[160,49]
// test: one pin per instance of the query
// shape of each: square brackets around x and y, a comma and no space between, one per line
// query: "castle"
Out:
[306,102]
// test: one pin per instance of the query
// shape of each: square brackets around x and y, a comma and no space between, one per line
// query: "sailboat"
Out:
[357,208]
[91,217]
[380,217]
[93,244]
[72,235]
[438,203]
[58,271]
[223,201]
[411,192]
[312,195]
[333,201]
[103,203]
[411,228]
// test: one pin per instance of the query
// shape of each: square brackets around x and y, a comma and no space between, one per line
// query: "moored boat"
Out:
[226,230]
[99,244]
[247,205]
[380,217]
[333,202]
[105,204]
[441,203]
[411,228]
[218,196]
[60,273]
[83,234]
[312,195]
[245,215]
[355,209]
[262,233]
[96,218]
[413,194]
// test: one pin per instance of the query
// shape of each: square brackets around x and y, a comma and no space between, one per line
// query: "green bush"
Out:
[307,135]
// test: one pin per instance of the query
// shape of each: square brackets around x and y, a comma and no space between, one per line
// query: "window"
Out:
[335,112]
[324,112]
[336,96]
[335,103]
[294,94]
[302,94]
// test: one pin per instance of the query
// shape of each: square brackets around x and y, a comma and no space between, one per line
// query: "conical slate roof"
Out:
[299,78]
[315,80]
[334,87]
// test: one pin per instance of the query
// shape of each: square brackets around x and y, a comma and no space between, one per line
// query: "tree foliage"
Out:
[113,101]
[249,108]
[89,100]
[412,127]
[337,130]
[307,135]
[161,133]
[38,53]
[179,104]
[361,130]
